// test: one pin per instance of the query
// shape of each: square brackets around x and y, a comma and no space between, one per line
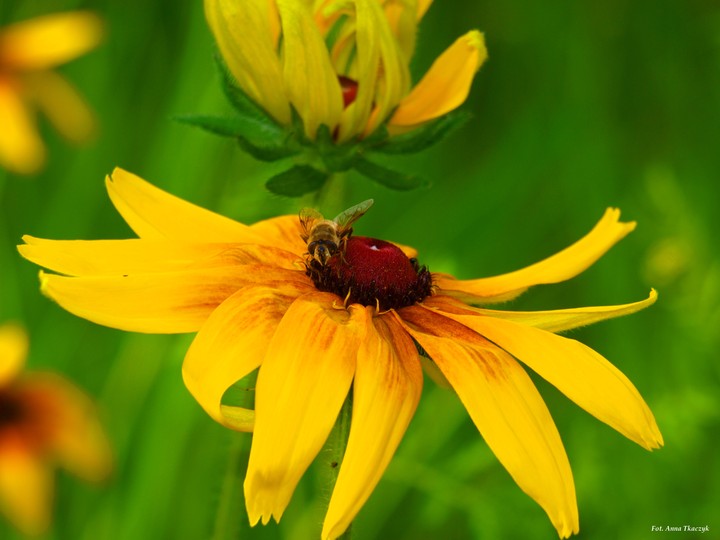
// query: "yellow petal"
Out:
[49,40]
[25,489]
[302,384]
[447,83]
[366,68]
[577,371]
[282,232]
[403,16]
[122,257]
[231,344]
[507,410]
[160,303]
[246,37]
[386,391]
[394,78]
[310,80]
[21,149]
[155,214]
[76,437]
[13,351]
[554,321]
[562,266]
[62,104]
[422,7]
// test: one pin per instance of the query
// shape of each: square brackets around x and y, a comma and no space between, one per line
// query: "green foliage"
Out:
[297,181]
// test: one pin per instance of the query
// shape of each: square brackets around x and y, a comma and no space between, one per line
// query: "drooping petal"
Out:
[562,266]
[163,302]
[122,257]
[156,215]
[21,149]
[231,344]
[246,38]
[557,320]
[310,80]
[386,391]
[447,83]
[366,69]
[577,371]
[50,40]
[302,384]
[394,79]
[75,436]
[506,408]
[13,351]
[25,489]
[62,104]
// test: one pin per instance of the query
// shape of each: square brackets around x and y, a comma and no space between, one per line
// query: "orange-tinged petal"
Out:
[21,149]
[76,438]
[62,104]
[422,7]
[302,384]
[577,371]
[310,80]
[13,351]
[246,36]
[25,490]
[558,320]
[133,256]
[403,16]
[562,266]
[386,391]
[231,344]
[507,410]
[155,214]
[447,83]
[50,40]
[165,302]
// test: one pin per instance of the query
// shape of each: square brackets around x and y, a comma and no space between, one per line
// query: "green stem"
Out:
[331,196]
[228,518]
[338,444]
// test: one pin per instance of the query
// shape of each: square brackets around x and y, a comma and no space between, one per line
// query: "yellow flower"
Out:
[340,63]
[44,420]
[315,331]
[28,52]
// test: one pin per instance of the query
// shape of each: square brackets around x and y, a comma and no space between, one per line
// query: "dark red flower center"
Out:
[372,272]
[349,89]
[12,410]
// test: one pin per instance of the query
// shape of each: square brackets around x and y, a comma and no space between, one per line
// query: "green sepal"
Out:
[423,137]
[267,152]
[388,177]
[336,157]
[240,101]
[297,181]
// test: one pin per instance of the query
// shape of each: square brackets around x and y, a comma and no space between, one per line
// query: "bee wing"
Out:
[308,218]
[345,219]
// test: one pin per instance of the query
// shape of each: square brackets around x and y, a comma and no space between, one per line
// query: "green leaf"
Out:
[424,137]
[297,181]
[388,177]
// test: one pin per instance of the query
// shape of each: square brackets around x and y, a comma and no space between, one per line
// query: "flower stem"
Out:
[338,444]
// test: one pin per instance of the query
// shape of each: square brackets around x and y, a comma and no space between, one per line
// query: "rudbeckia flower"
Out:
[44,421]
[314,332]
[29,50]
[340,63]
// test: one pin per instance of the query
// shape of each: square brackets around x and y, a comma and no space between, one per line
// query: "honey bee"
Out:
[326,237]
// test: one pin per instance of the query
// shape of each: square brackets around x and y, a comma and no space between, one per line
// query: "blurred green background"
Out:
[582,105]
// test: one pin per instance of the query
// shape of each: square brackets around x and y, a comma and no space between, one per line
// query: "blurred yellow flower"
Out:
[340,63]
[28,52]
[44,420]
[315,331]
